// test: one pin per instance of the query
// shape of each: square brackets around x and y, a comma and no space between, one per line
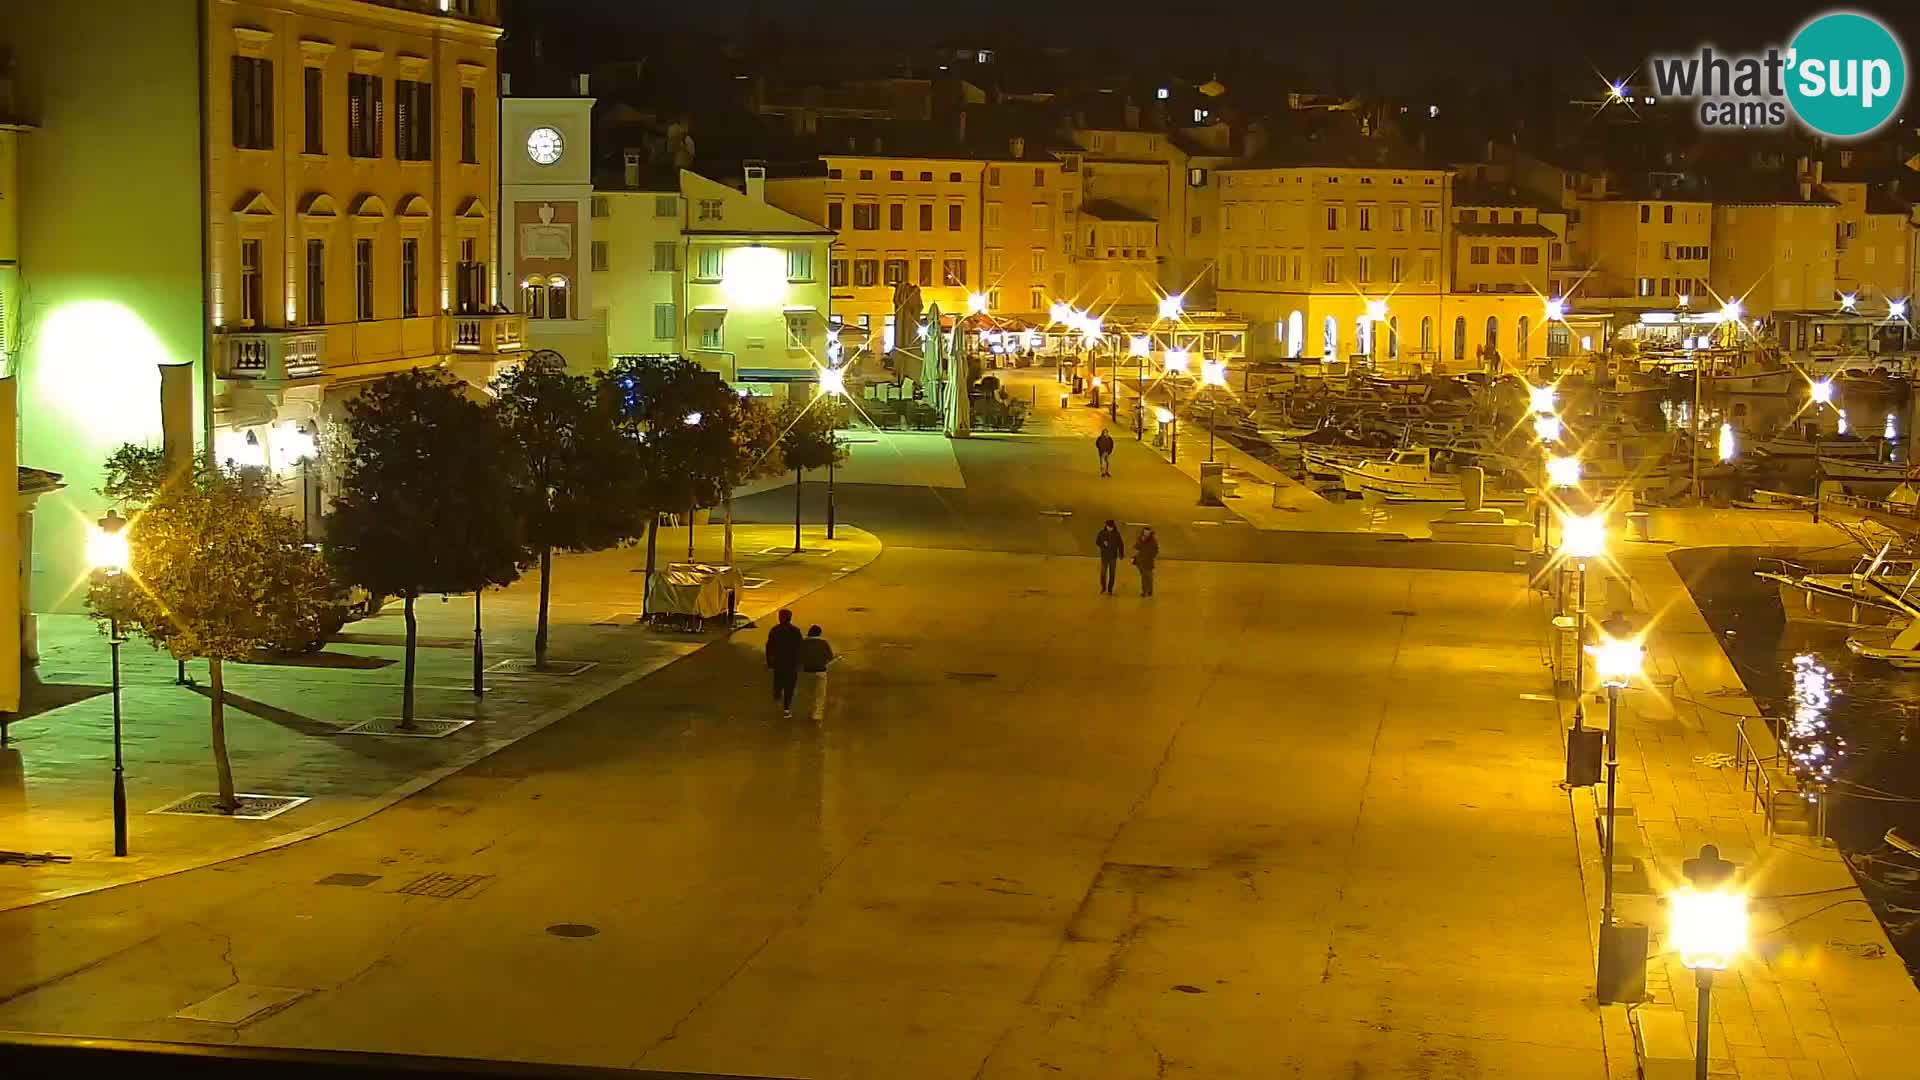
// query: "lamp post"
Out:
[1139,346]
[833,386]
[1175,362]
[1617,663]
[107,551]
[1168,416]
[1708,923]
[1582,538]
[1212,373]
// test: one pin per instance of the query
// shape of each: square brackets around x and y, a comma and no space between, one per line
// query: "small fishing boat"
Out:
[1898,646]
[1834,468]
[1798,445]
[1408,476]
[1874,593]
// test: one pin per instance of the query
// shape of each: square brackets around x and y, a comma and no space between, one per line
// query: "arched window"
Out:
[1559,340]
[1522,351]
[1393,338]
[1330,339]
[533,297]
[556,297]
[1296,326]
[1426,336]
[1362,340]
[1460,338]
[1493,333]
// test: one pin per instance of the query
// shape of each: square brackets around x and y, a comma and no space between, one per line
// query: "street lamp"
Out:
[1616,663]
[1540,399]
[107,551]
[1563,472]
[1171,305]
[1556,309]
[1168,416]
[1582,537]
[1728,448]
[833,386]
[1212,373]
[1176,361]
[1547,428]
[1708,924]
[976,303]
[1821,391]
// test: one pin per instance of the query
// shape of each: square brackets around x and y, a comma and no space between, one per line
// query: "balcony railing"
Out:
[489,333]
[272,354]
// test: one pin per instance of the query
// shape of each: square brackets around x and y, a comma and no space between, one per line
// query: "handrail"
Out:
[1765,794]
[56,1055]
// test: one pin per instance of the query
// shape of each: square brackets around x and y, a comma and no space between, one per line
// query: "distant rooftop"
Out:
[1504,228]
[1107,210]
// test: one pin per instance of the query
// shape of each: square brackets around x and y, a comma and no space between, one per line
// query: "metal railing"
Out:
[53,1055]
[1756,774]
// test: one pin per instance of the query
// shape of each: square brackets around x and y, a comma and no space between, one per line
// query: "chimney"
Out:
[757,181]
[1017,148]
[1133,116]
[1819,173]
[631,170]
[580,84]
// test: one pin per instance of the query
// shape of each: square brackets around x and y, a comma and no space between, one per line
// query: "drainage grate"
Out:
[971,676]
[524,666]
[351,881]
[424,727]
[1402,611]
[446,886]
[572,930]
[252,807]
[241,1003]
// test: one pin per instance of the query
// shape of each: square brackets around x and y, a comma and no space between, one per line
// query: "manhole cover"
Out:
[1399,611]
[424,727]
[971,676]
[351,881]
[446,886]
[572,929]
[252,807]
[524,666]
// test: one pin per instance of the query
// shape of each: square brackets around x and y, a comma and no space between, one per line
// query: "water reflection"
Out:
[1808,743]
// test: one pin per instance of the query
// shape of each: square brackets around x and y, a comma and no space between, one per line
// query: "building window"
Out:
[1646,213]
[1559,339]
[896,175]
[837,273]
[413,120]
[1393,338]
[1426,336]
[953,178]
[1460,338]
[1429,219]
[1333,217]
[1493,334]
[893,272]
[663,251]
[1366,219]
[926,217]
[1330,337]
[866,273]
[665,324]
[363,279]
[1037,263]
[993,299]
[799,264]
[252,103]
[996,261]
[993,176]
[1477,255]
[1043,216]
[710,263]
[364,111]
[953,217]
[1558,252]
[1525,328]
[866,174]
[833,174]
[316,282]
[1427,269]
[896,216]
[469,126]
[1038,300]
[556,297]
[1530,255]
[1503,255]
[1666,215]
[1399,222]
[796,331]
[712,337]
[599,254]
[926,178]
[835,216]
[410,275]
[472,281]
[954,272]
[315,108]
[925,277]
[710,209]
[866,216]
[1366,268]
[1196,178]
[1330,269]
[252,292]
[1646,286]
[993,215]
[665,206]
[597,206]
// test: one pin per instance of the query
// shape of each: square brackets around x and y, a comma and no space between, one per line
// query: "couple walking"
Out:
[788,653]
[1146,549]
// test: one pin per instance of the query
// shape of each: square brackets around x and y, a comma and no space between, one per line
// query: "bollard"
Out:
[1473,486]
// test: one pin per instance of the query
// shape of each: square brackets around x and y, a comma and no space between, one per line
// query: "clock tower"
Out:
[546,222]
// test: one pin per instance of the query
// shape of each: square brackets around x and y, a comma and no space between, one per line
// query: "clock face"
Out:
[544,145]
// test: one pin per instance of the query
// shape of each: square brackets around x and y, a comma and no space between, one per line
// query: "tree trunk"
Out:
[406,677]
[798,479]
[222,768]
[653,533]
[726,542]
[540,629]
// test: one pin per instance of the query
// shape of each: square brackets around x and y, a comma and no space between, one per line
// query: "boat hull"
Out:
[1760,382]
[1826,607]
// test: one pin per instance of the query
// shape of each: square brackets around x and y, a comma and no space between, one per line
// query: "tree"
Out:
[426,504]
[807,441]
[213,572]
[571,468]
[675,418]
[756,437]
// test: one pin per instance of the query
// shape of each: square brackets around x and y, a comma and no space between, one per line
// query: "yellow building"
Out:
[1646,254]
[1026,233]
[298,196]
[1167,178]
[1774,253]
[638,276]
[1873,239]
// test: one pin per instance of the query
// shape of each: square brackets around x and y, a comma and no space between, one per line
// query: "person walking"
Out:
[1104,444]
[783,659]
[1111,546]
[1146,549]
[815,653]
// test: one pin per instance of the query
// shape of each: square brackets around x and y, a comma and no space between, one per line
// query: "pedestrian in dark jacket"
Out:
[1111,546]
[1104,444]
[783,659]
[1145,550]
[815,653]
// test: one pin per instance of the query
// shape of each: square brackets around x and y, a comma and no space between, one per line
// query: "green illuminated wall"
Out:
[110,236]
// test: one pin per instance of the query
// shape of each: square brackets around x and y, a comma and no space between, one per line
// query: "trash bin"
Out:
[1566,648]
[1213,476]
[1639,525]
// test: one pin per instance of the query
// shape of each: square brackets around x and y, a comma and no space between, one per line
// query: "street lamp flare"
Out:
[1171,305]
[833,381]
[1583,536]
[1563,471]
[107,543]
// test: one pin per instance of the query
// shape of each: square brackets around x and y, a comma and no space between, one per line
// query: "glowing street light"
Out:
[694,418]
[1730,311]
[1556,309]
[1896,309]
[1841,422]
[1163,414]
[1212,373]
[1546,428]
[1617,663]
[976,303]
[1707,924]
[1822,391]
[1139,345]
[1617,91]
[1059,312]
[1563,471]
[833,385]
[1176,361]
[1849,301]
[1168,417]
[1583,536]
[1540,398]
[1376,311]
[833,381]
[107,551]
[1171,305]
[1728,447]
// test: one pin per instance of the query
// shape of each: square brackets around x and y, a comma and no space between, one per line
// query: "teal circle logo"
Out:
[1847,74]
